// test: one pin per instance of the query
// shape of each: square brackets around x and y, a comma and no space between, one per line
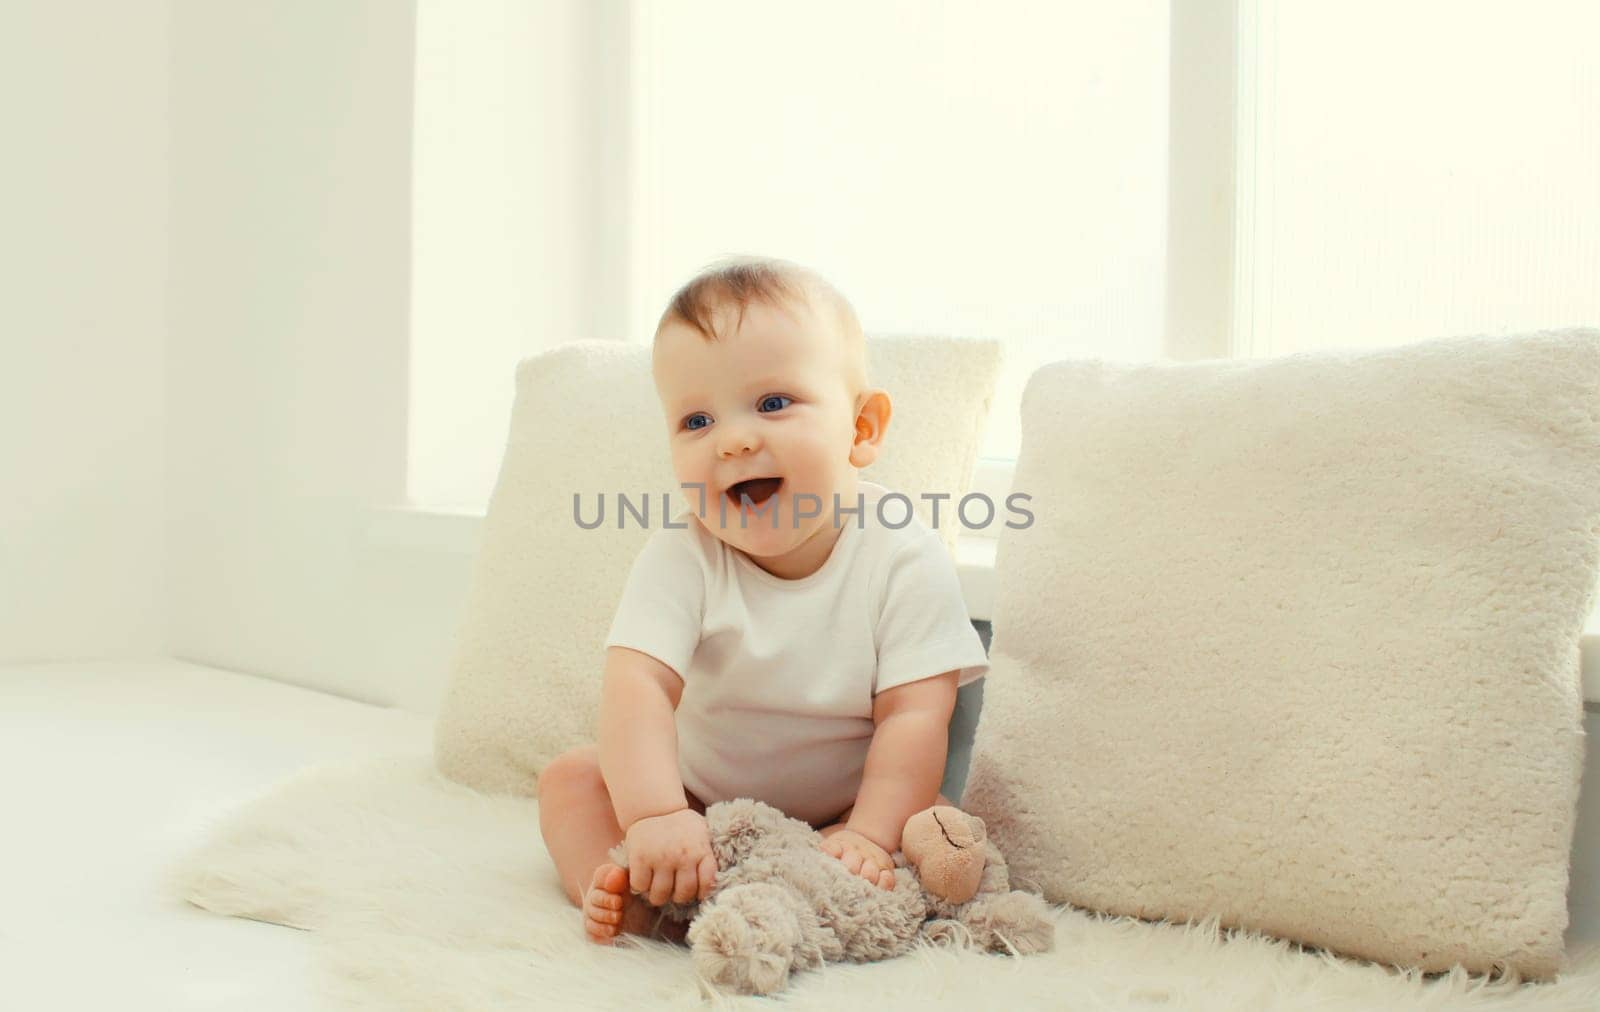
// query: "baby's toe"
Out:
[599,930]
[611,878]
[604,904]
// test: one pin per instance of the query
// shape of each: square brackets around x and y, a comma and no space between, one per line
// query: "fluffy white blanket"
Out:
[425,895]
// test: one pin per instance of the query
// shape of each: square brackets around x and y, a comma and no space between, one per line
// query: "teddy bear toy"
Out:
[780,902]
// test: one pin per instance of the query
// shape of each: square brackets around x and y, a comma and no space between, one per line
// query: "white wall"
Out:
[195,476]
[287,375]
[83,93]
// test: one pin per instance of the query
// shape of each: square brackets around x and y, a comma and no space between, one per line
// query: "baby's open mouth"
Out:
[758,489]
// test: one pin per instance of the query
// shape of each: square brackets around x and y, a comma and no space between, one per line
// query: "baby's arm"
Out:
[669,844]
[638,738]
[905,763]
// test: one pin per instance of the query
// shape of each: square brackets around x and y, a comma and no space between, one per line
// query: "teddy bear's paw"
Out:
[946,933]
[1017,921]
[745,941]
[754,973]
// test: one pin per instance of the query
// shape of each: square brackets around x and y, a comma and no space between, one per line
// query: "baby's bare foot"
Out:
[609,909]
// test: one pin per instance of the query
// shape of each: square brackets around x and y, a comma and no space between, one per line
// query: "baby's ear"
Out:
[872,421]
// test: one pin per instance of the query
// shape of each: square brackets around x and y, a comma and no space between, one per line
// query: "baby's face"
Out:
[769,401]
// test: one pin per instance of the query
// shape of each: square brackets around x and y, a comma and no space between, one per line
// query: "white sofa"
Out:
[111,765]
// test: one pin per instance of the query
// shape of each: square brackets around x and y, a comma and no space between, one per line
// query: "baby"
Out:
[778,641]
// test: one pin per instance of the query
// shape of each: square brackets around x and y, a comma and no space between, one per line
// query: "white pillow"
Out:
[525,678]
[1295,642]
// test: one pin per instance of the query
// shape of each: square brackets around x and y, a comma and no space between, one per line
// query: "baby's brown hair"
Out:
[737,281]
[740,280]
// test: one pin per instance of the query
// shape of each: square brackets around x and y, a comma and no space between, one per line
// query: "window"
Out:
[994,170]
[1394,173]
[1419,170]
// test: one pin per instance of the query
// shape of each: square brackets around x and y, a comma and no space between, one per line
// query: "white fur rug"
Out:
[425,895]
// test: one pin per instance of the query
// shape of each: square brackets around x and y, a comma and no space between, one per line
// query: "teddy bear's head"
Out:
[946,845]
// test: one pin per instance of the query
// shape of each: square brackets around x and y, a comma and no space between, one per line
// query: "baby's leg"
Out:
[580,827]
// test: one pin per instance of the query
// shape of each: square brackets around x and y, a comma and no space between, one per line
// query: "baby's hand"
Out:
[859,854]
[670,857]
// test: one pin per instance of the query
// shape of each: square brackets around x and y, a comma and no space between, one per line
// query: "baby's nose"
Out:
[737,442]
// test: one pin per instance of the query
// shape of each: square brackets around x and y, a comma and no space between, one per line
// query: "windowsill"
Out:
[457,531]
[975,566]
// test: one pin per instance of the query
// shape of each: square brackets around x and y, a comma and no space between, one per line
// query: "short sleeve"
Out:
[923,627]
[662,602]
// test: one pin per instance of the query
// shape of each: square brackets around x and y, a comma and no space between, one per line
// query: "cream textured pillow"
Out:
[525,678]
[1295,642]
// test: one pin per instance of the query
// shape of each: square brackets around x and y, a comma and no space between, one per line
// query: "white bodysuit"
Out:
[779,675]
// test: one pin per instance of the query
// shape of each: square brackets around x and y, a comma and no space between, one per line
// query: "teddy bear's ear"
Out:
[740,823]
[980,832]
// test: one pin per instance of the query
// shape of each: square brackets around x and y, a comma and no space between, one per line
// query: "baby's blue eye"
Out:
[689,423]
[775,397]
